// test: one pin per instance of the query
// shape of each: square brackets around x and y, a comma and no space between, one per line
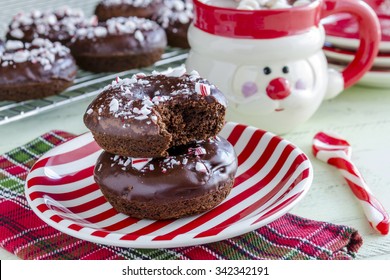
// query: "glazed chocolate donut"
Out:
[175,17]
[35,70]
[191,180]
[146,115]
[119,44]
[107,9]
[58,25]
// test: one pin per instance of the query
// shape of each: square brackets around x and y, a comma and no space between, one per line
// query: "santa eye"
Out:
[285,70]
[267,70]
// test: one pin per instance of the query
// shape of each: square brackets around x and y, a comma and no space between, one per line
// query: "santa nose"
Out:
[278,88]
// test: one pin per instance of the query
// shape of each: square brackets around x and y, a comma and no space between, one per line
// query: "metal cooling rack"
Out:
[86,84]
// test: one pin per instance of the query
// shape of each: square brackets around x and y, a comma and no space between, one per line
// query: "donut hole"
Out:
[192,120]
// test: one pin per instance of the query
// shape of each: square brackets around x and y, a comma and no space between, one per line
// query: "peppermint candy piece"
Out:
[197,151]
[139,163]
[202,89]
[200,167]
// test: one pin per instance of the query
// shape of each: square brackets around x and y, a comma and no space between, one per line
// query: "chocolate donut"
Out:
[144,116]
[57,26]
[175,17]
[35,70]
[107,9]
[190,180]
[119,44]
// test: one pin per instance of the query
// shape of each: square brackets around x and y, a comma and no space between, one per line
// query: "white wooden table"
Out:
[361,115]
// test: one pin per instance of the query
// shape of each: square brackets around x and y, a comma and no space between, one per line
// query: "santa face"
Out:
[273,88]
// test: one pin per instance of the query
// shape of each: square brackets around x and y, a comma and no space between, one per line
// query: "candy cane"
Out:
[336,151]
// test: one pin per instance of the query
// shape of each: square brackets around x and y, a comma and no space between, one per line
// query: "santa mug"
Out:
[270,63]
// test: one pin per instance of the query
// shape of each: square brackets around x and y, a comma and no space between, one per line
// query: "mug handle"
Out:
[369,34]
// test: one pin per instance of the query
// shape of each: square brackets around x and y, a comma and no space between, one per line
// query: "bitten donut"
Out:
[35,70]
[119,44]
[107,9]
[175,17]
[190,180]
[146,115]
[58,25]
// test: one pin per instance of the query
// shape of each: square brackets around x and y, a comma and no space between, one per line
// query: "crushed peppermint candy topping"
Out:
[139,163]
[124,162]
[64,21]
[200,167]
[117,26]
[175,11]
[135,3]
[175,72]
[114,105]
[198,151]
[137,98]
[39,51]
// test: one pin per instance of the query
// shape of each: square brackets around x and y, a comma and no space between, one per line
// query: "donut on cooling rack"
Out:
[34,70]
[119,44]
[190,180]
[144,116]
[175,17]
[58,25]
[107,9]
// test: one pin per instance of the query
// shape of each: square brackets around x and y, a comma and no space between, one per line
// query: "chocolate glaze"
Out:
[131,107]
[119,43]
[182,175]
[33,70]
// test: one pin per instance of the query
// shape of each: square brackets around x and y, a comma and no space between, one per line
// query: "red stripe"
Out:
[67,179]
[42,208]
[383,227]
[75,227]
[236,133]
[139,160]
[300,178]
[128,221]
[102,216]
[330,140]
[240,197]
[254,206]
[100,233]
[261,162]
[56,218]
[343,164]
[88,206]
[69,156]
[250,146]
[279,207]
[146,230]
[362,194]
[68,195]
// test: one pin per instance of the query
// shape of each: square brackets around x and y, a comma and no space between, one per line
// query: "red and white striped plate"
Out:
[273,175]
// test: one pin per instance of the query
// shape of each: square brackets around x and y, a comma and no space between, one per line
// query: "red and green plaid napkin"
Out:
[25,235]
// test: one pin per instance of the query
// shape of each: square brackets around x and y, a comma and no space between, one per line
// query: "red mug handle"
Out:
[369,34]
